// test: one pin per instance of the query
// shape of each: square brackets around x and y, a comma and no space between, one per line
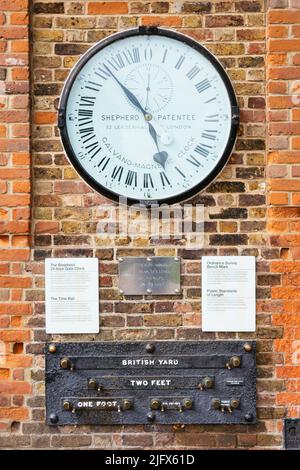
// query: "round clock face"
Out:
[148,115]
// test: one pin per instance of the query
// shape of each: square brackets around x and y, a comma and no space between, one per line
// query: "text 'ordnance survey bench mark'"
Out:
[72,295]
[228,293]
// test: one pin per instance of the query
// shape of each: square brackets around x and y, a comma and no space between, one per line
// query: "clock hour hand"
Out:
[159,157]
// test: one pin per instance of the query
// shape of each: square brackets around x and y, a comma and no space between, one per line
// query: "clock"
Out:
[149,115]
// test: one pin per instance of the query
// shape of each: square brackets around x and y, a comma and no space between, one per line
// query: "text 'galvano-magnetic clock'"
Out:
[148,114]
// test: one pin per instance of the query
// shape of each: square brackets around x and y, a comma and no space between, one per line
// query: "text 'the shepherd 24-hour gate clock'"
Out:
[148,114]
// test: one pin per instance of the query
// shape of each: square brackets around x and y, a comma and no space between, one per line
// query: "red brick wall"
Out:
[250,209]
[15,198]
[284,187]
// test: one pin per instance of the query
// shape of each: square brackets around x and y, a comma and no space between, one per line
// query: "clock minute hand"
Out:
[159,157]
[128,93]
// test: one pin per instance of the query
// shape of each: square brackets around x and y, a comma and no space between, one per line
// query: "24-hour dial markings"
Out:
[193,72]
[179,62]
[202,150]
[179,171]
[148,180]
[87,100]
[209,134]
[117,173]
[164,179]
[93,85]
[203,85]
[131,178]
[103,163]
[193,161]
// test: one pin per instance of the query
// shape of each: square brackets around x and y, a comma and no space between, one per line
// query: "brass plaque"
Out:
[155,275]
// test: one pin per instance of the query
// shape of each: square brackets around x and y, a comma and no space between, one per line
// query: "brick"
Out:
[172,21]
[70,441]
[196,7]
[107,8]
[48,7]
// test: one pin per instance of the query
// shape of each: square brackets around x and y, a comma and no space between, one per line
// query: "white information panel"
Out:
[228,293]
[72,295]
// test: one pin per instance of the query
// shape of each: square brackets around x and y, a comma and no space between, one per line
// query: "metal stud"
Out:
[52,348]
[248,347]
[150,348]
[53,418]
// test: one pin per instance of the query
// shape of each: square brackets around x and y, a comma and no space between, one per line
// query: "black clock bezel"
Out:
[185,195]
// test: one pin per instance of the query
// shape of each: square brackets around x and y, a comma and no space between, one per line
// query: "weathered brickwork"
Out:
[252,208]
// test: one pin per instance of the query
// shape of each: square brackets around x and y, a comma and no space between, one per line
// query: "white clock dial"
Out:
[148,116]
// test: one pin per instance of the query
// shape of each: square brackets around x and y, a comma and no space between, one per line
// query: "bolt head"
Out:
[150,348]
[151,417]
[149,291]
[148,117]
[121,291]
[248,347]
[187,404]
[208,382]
[249,417]
[52,348]
[216,403]
[67,406]
[234,403]
[65,363]
[155,404]
[127,404]
[53,418]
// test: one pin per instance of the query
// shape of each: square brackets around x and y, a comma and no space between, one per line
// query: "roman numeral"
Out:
[85,121]
[148,53]
[103,73]
[86,131]
[92,146]
[179,62]
[85,112]
[93,86]
[117,62]
[210,100]
[193,72]
[132,56]
[179,171]
[202,150]
[117,172]
[164,56]
[84,116]
[193,161]
[148,180]
[212,118]
[209,134]
[203,85]
[87,100]
[164,178]
[131,178]
[103,163]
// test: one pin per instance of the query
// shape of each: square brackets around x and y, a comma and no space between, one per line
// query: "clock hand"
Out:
[147,90]
[165,138]
[159,157]
[128,93]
